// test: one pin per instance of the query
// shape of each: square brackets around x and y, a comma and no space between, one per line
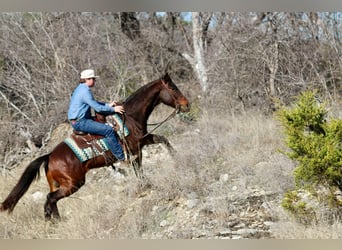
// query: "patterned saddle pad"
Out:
[89,146]
[116,122]
[89,152]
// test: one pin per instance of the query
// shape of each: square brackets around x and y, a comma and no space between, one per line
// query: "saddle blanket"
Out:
[84,154]
[122,130]
[87,153]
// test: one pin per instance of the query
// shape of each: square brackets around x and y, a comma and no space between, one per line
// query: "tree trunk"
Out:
[197,60]
[130,25]
[273,67]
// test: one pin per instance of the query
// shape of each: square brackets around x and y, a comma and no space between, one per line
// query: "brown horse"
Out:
[65,173]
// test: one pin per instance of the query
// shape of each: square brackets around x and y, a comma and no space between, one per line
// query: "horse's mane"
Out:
[136,103]
[140,92]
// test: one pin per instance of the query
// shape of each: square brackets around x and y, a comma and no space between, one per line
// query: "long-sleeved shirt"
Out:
[82,100]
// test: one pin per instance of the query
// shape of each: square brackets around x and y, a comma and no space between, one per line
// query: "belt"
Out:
[73,121]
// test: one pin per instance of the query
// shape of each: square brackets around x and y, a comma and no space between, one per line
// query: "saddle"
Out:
[85,140]
[87,146]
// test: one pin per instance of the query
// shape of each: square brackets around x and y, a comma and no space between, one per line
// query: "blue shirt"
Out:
[82,100]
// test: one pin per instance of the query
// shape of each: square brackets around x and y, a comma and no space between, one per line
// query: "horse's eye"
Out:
[172,87]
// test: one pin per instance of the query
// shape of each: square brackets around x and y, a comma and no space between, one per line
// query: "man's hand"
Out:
[119,109]
[113,103]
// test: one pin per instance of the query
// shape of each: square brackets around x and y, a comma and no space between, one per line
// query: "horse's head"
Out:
[170,95]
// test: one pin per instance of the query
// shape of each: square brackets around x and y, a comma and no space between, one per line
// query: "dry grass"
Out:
[220,157]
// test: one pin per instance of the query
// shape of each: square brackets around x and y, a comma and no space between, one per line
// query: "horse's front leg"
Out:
[136,164]
[155,139]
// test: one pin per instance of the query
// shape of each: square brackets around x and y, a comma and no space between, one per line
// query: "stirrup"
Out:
[129,159]
[78,132]
[132,157]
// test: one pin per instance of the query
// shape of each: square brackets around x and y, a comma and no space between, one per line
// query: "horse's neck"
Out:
[141,104]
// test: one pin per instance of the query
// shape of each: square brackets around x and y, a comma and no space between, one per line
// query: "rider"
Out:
[79,113]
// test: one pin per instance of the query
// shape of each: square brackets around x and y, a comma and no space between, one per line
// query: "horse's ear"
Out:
[166,77]
[167,68]
[166,71]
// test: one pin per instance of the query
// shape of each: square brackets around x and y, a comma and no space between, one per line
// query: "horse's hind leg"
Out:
[50,207]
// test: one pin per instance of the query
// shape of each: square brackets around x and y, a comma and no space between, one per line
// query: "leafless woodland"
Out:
[230,65]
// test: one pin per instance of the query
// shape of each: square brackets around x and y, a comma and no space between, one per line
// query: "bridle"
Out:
[171,94]
[174,112]
[158,124]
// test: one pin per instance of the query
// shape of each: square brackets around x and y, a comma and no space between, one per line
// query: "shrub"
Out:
[294,203]
[315,144]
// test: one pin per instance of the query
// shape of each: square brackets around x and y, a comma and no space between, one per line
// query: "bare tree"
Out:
[130,25]
[197,60]
[240,60]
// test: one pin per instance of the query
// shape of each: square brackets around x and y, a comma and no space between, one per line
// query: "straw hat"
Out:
[88,73]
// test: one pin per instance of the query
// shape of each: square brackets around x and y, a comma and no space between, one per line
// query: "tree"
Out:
[200,24]
[130,25]
[315,145]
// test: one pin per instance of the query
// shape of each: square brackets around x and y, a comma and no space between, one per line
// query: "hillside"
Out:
[226,181]
[228,176]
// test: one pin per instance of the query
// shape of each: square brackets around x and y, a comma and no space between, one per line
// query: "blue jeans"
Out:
[94,127]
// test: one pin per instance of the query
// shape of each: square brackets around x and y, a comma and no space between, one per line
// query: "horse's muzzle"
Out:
[184,106]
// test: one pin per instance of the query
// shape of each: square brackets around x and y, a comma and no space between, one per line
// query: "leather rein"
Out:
[158,124]
[161,123]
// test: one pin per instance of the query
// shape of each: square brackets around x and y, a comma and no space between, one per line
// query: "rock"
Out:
[37,196]
[224,178]
[225,233]
[246,232]
[164,223]
[240,225]
[191,203]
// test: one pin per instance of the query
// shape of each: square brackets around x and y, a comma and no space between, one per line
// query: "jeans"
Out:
[93,127]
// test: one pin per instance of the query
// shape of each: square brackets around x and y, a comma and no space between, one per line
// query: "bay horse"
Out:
[65,173]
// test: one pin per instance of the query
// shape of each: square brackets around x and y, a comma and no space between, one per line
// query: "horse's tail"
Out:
[31,173]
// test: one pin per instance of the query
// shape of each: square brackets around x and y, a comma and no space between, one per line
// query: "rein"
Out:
[135,166]
[167,118]
[162,122]
[133,163]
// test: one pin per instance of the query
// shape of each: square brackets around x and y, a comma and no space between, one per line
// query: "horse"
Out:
[65,173]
